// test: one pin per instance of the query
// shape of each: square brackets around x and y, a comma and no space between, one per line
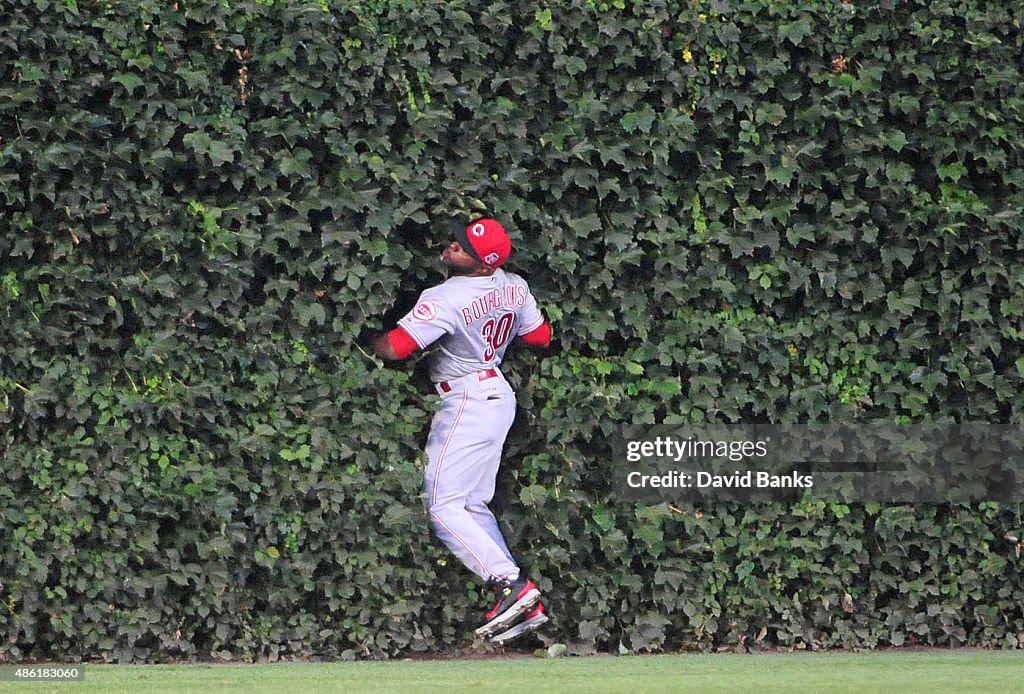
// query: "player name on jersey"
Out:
[507,296]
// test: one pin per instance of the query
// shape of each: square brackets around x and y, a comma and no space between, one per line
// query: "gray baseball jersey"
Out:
[473,320]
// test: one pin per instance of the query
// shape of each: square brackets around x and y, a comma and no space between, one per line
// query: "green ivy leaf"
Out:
[641,120]
[795,32]
[634,369]
[895,140]
[297,163]
[311,313]
[129,80]
[220,152]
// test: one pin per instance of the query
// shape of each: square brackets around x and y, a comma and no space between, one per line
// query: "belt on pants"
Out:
[483,375]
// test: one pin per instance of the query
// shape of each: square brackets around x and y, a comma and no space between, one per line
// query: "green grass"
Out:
[889,673]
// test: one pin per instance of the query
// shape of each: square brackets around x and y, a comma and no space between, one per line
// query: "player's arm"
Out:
[539,337]
[394,345]
[430,320]
[534,330]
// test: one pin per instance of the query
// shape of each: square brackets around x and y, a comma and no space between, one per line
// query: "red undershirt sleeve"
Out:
[539,337]
[402,342]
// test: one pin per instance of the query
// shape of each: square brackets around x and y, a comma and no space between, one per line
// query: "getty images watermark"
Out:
[857,461]
[690,450]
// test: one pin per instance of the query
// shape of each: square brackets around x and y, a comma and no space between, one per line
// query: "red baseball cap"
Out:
[485,240]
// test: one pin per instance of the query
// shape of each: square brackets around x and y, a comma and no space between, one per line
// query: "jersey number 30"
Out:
[496,333]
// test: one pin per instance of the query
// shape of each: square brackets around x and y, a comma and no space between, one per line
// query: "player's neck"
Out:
[471,272]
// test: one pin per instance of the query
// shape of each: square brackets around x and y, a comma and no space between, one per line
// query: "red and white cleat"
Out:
[533,621]
[515,598]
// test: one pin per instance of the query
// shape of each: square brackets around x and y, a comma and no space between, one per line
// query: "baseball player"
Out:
[473,317]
